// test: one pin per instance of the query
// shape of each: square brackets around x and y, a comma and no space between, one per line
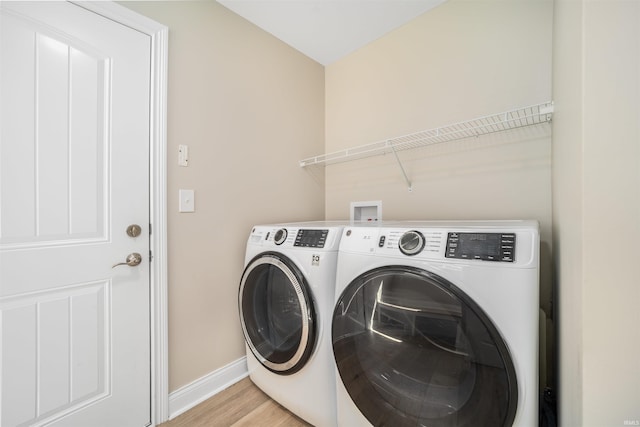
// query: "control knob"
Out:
[280,236]
[411,243]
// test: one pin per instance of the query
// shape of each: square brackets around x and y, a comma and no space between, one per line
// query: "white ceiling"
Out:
[327,30]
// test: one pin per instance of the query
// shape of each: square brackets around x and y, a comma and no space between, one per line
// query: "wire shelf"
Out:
[521,117]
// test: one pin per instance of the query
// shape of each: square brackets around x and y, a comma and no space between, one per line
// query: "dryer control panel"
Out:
[311,238]
[483,246]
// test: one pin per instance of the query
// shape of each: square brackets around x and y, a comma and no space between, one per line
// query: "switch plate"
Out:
[186,201]
[183,155]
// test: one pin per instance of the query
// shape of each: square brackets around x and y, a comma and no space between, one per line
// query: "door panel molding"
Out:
[52,339]
[56,205]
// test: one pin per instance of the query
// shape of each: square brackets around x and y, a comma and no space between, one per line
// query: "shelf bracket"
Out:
[404,174]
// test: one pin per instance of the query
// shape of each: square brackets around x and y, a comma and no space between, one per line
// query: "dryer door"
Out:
[412,349]
[277,314]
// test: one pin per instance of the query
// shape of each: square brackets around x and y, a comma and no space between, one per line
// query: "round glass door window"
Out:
[413,350]
[276,313]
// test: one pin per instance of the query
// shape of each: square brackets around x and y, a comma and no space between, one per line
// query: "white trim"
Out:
[158,206]
[209,385]
[159,35]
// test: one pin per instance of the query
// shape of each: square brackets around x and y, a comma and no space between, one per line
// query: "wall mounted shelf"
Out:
[521,117]
[526,116]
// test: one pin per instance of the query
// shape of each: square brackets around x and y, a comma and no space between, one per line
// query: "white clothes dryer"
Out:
[286,301]
[436,324]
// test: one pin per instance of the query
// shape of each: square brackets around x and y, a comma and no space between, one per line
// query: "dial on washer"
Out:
[411,243]
[280,236]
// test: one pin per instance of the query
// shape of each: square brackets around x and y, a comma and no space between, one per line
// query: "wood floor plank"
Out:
[233,406]
[241,405]
[269,414]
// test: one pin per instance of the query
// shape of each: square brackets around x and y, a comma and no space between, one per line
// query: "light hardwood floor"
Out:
[241,405]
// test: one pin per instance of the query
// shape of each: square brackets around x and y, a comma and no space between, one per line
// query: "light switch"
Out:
[186,201]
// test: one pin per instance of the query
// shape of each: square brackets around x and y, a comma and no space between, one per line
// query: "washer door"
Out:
[414,350]
[277,314]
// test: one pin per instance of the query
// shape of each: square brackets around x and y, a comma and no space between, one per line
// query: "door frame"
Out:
[159,35]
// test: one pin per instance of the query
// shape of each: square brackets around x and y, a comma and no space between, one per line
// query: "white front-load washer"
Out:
[436,324]
[286,301]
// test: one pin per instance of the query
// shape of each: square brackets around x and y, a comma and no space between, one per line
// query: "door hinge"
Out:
[150,255]
[149,229]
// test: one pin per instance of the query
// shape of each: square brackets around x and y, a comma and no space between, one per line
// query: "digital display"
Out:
[479,244]
[482,246]
[311,238]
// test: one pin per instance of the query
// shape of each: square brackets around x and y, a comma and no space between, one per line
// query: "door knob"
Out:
[132,260]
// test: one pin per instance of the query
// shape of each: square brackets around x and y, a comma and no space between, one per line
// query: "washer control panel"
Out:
[484,246]
[308,238]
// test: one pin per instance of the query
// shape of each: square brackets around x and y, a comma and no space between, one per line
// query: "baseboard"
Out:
[203,388]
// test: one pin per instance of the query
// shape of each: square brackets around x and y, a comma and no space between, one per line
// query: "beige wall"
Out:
[597,209]
[249,107]
[463,59]
[567,205]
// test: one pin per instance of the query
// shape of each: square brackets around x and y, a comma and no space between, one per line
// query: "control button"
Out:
[381,241]
[507,247]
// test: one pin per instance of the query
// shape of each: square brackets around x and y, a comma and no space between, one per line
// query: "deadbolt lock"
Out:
[134,230]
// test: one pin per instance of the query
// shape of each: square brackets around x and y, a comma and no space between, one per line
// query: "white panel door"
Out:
[74,174]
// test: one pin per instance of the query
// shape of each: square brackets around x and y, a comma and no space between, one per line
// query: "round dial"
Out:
[280,236]
[411,242]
